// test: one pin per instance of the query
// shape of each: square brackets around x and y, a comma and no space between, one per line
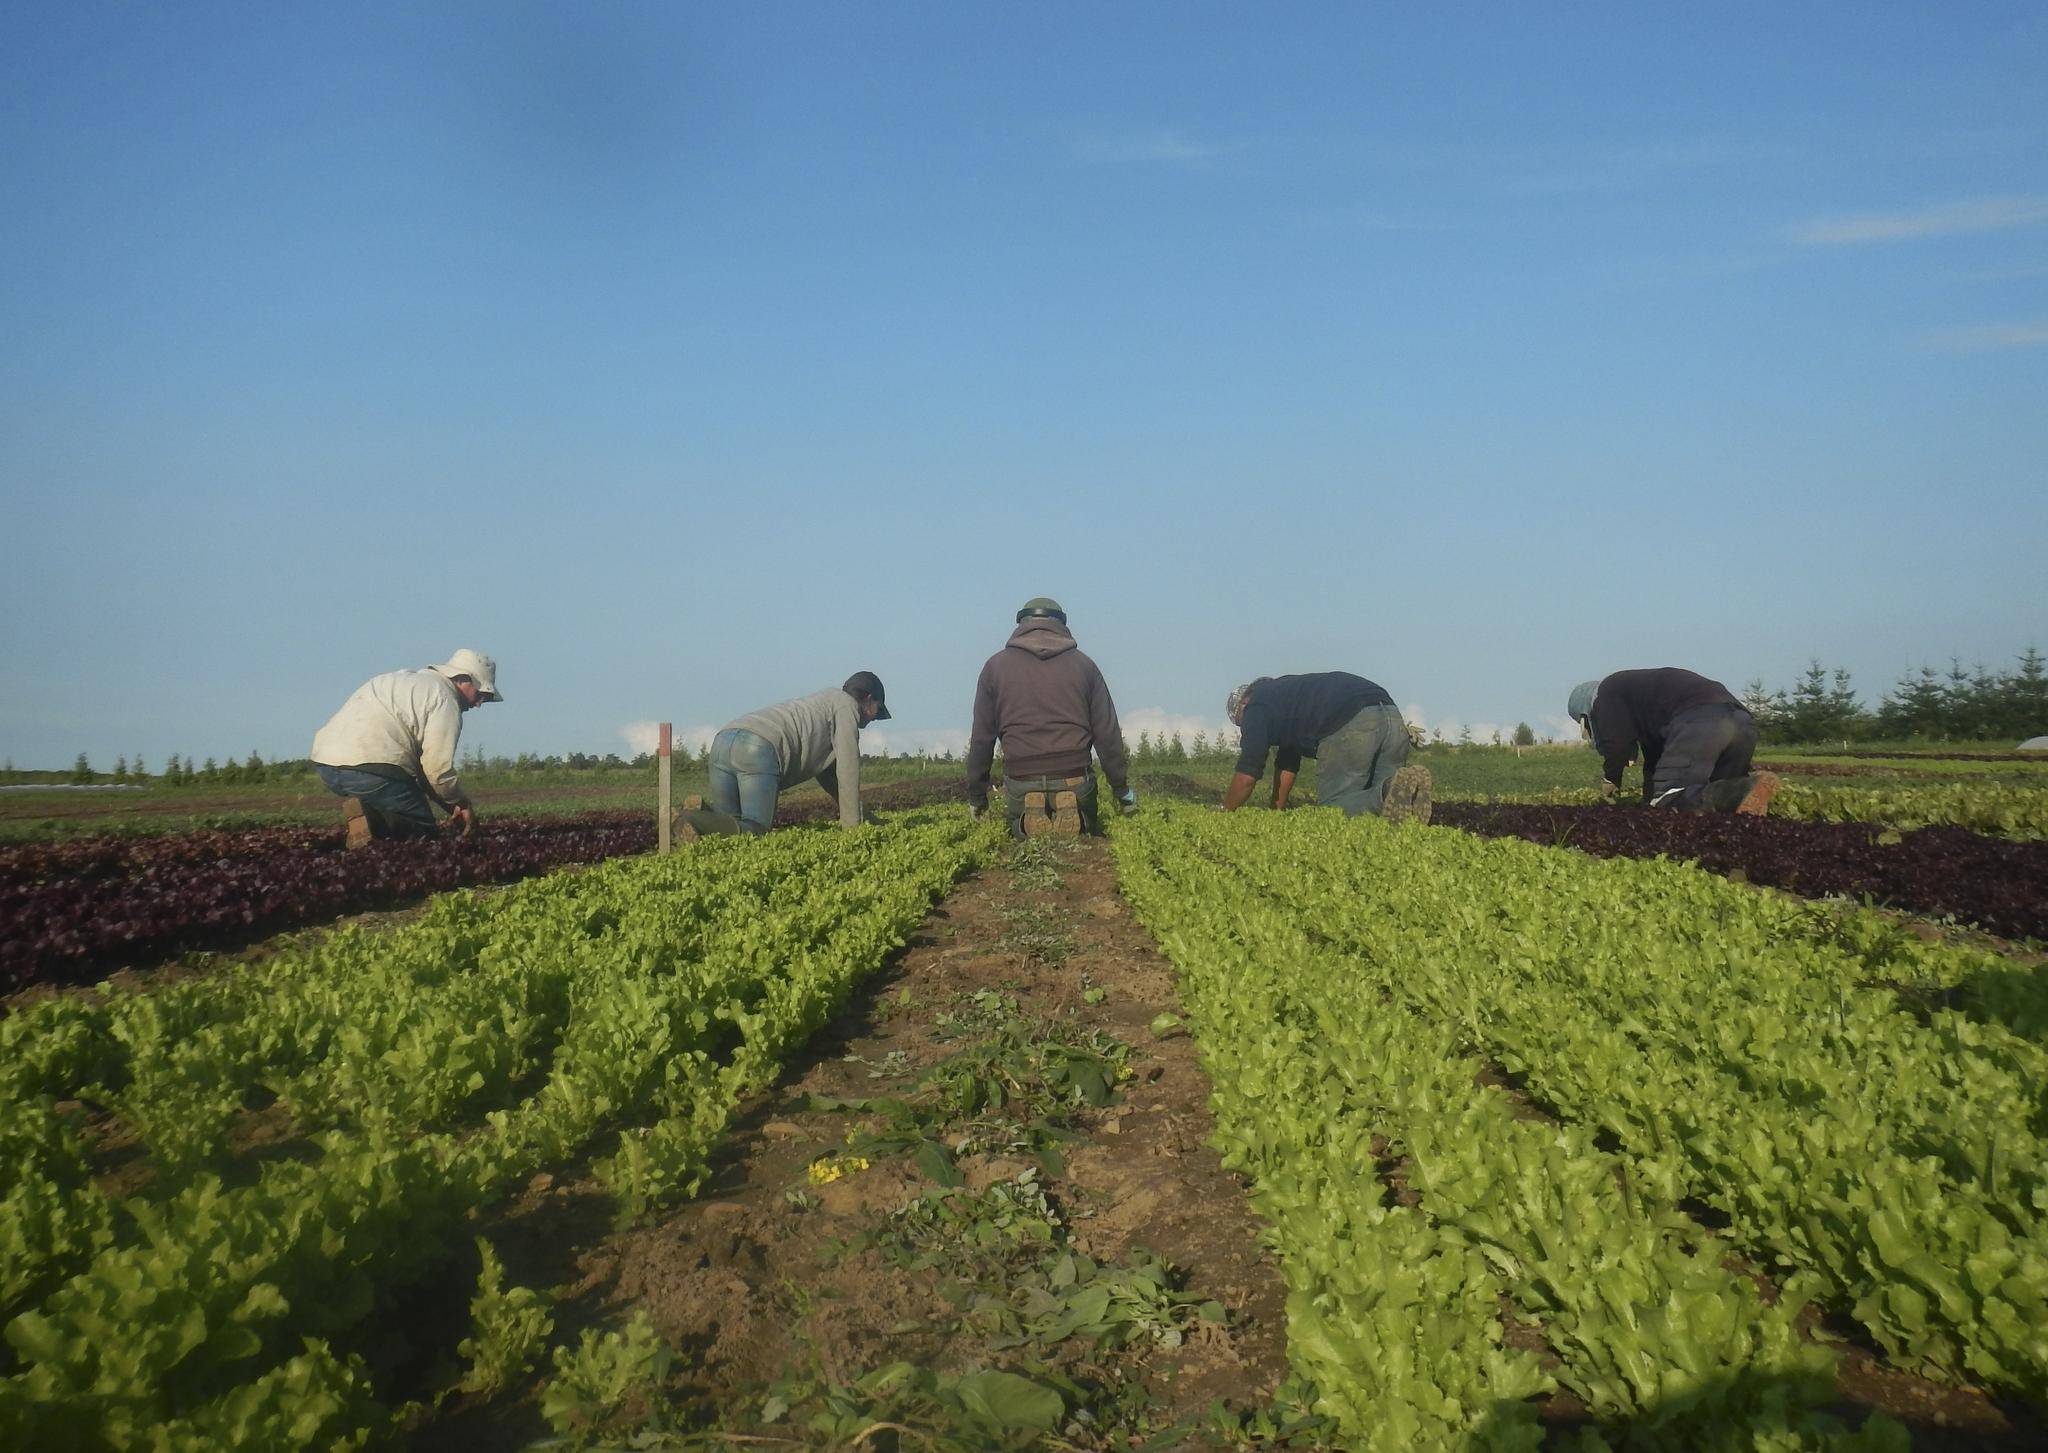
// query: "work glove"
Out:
[976,811]
[1128,802]
[1608,789]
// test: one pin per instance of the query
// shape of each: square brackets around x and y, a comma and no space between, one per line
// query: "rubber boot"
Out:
[1408,795]
[694,823]
[1757,801]
[1749,796]
[1053,814]
[355,825]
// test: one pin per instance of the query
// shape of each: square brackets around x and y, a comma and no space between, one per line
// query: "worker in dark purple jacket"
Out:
[1047,703]
[1696,739]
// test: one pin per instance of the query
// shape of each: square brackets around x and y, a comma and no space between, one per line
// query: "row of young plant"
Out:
[1349,981]
[1996,809]
[425,1073]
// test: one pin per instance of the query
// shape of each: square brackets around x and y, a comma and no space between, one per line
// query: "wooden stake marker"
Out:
[664,789]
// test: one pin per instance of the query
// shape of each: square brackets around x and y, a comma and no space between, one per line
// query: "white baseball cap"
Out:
[477,667]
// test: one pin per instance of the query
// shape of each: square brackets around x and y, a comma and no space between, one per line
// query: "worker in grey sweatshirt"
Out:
[792,742]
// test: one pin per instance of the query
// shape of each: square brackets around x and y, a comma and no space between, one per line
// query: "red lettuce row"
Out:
[74,910]
[70,927]
[1939,872]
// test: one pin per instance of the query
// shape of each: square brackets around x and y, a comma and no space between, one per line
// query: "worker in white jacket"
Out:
[389,753]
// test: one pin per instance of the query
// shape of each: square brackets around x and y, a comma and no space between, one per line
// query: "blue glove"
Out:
[1129,801]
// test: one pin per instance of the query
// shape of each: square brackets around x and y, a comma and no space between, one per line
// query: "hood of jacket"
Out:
[1042,636]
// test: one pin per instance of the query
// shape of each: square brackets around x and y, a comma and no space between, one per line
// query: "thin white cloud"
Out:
[1449,728]
[1986,337]
[875,741]
[1166,725]
[1161,146]
[1983,214]
[894,741]
[645,736]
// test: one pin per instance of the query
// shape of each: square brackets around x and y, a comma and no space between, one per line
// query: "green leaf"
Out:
[1005,1402]
[937,1163]
[1088,1078]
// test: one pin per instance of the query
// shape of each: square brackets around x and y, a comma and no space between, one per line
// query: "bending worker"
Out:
[1696,739]
[1046,701]
[1347,723]
[391,748]
[782,746]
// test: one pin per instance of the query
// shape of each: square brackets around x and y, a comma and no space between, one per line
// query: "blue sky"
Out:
[687,358]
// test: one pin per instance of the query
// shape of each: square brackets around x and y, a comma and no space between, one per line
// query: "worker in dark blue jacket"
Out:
[1347,723]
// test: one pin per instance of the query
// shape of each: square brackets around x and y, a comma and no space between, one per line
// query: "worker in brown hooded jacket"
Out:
[1049,706]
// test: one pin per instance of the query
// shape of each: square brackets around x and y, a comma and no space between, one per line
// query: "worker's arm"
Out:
[440,730]
[1286,765]
[845,763]
[981,741]
[1254,740]
[1108,734]
[1613,730]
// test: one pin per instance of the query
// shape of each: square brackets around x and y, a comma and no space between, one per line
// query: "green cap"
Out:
[1042,605]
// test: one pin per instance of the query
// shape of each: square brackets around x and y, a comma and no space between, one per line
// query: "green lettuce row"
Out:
[53,1218]
[1741,978]
[397,1032]
[1391,1317]
[2001,811]
[1650,1326]
[191,1324]
[270,1021]
[1688,1018]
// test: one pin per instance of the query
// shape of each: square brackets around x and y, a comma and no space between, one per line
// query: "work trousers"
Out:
[394,802]
[1703,745]
[1355,762]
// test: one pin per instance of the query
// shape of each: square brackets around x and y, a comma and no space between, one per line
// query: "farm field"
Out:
[1273,1130]
[32,814]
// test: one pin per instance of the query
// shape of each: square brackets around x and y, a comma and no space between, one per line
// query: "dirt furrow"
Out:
[1097,1250]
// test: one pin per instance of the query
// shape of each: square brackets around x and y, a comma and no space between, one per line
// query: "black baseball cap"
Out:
[867,683]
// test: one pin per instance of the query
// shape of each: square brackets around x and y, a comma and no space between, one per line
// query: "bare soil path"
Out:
[798,1272]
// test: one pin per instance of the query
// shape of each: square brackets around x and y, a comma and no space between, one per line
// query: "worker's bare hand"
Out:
[461,820]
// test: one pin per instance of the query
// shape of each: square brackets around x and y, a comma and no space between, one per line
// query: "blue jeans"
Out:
[396,806]
[745,777]
[1355,763]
